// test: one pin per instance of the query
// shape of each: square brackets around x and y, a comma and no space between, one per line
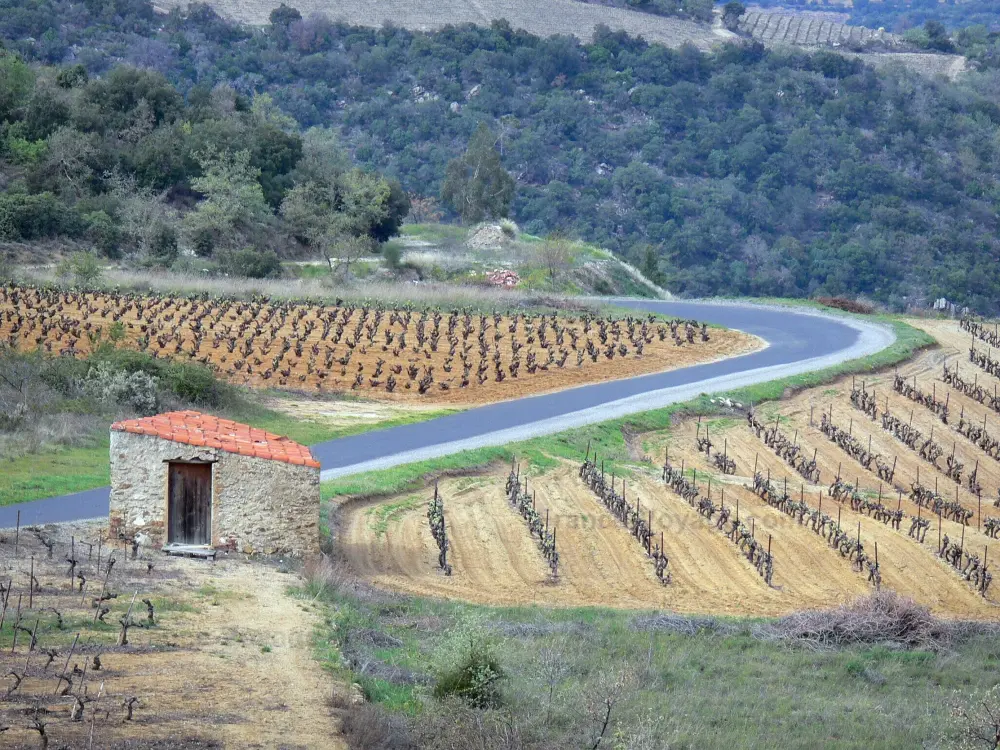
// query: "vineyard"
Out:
[888,482]
[105,644]
[397,354]
[811,30]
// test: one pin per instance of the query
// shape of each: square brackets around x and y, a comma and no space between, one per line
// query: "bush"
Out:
[163,244]
[103,231]
[129,360]
[846,305]
[189,381]
[136,390]
[254,264]
[393,255]
[373,728]
[203,241]
[509,228]
[32,217]
[85,268]
[476,679]
[193,382]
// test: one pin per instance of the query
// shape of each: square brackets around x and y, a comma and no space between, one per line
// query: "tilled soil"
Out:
[496,562]
[396,356]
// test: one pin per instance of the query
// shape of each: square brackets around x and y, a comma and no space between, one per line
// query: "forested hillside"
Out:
[748,171]
[903,14]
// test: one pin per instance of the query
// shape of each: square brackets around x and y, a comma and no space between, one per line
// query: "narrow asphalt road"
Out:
[797,341]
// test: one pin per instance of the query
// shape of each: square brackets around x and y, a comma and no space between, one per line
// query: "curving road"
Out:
[797,341]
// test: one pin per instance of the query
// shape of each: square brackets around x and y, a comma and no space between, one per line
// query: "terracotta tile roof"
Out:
[195,428]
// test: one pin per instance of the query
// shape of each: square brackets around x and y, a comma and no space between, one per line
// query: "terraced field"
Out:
[810,30]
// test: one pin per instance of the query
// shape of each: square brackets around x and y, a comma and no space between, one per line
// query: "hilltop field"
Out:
[554,17]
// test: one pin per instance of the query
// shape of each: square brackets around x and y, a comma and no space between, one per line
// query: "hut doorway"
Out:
[189,503]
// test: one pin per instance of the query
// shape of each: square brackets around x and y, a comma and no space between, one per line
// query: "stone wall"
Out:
[259,506]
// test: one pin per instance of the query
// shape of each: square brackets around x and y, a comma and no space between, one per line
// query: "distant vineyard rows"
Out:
[811,30]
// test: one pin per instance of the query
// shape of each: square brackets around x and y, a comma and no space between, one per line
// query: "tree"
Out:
[146,222]
[397,209]
[72,76]
[67,166]
[424,210]
[476,185]
[234,205]
[651,265]
[731,13]
[938,37]
[284,16]
[699,9]
[16,83]
[341,212]
[556,254]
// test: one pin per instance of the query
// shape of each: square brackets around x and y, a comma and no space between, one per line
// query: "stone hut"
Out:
[190,480]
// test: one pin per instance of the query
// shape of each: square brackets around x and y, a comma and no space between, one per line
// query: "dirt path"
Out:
[268,634]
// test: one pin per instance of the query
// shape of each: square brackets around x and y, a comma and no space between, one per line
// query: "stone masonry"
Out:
[259,505]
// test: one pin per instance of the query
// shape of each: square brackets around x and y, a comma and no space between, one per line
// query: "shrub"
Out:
[193,382]
[393,255]
[31,217]
[475,679]
[847,305]
[103,231]
[61,373]
[203,241]
[162,244]
[976,721]
[373,728]
[254,264]
[85,268]
[603,286]
[129,360]
[509,228]
[135,390]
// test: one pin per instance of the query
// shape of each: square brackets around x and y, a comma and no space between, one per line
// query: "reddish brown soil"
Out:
[301,346]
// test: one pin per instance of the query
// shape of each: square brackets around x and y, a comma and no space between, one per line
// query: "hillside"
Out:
[580,19]
[741,170]
[568,17]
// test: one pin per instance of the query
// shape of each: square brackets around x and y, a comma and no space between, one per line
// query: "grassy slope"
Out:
[606,437]
[713,689]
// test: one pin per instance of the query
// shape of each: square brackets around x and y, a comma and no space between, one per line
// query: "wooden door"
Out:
[189,503]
